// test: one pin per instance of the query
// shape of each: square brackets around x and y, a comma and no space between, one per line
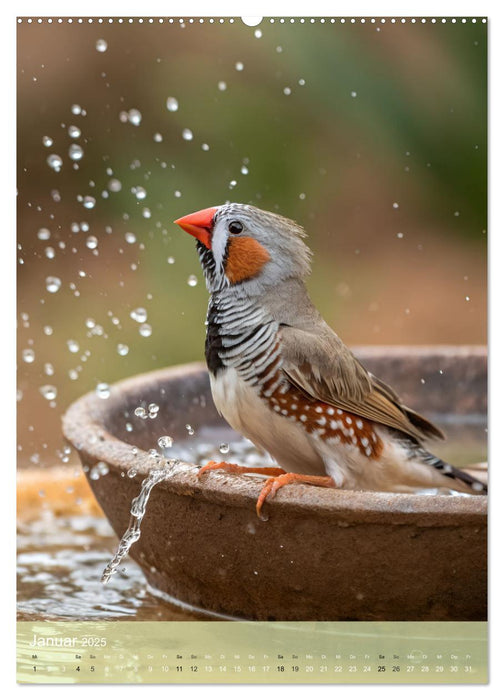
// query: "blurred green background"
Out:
[372,136]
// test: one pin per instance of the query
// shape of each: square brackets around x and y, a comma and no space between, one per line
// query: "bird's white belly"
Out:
[251,416]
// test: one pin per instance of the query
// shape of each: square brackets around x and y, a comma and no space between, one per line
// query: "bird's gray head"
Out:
[247,248]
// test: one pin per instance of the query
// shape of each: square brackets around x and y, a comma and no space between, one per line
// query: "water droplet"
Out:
[134,117]
[146,213]
[48,369]
[139,315]
[287,91]
[172,104]
[130,237]
[48,330]
[28,355]
[190,429]
[224,448]
[75,152]
[165,442]
[158,137]
[55,162]
[205,147]
[302,82]
[222,86]
[145,330]
[192,280]
[153,410]
[400,235]
[139,192]
[47,141]
[244,170]
[94,474]
[48,391]
[49,252]
[170,260]
[232,184]
[103,468]
[239,65]
[43,234]
[73,345]
[91,242]
[89,202]
[53,284]
[258,33]
[353,93]
[76,109]
[103,390]
[101,45]
[468,298]
[122,349]
[74,132]
[114,185]
[140,412]
[132,472]
[395,205]
[187,135]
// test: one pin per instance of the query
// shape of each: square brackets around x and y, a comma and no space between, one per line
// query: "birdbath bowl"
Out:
[323,554]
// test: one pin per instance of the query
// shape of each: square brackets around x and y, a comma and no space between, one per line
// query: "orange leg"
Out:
[236,469]
[272,485]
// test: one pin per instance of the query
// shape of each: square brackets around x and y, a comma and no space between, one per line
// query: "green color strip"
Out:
[252,652]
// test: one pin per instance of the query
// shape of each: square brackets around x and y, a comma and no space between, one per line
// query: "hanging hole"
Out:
[251,21]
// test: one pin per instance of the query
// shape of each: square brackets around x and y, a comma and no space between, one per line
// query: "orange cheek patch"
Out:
[246,258]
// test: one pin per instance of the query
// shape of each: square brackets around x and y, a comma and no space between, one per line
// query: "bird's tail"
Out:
[458,475]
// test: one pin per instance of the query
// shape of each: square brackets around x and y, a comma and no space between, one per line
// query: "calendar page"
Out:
[252,364]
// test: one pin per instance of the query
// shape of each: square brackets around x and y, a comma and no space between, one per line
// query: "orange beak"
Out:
[199,225]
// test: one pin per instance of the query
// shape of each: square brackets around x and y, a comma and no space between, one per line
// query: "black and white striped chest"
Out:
[243,336]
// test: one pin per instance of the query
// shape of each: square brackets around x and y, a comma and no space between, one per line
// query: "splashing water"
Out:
[138,507]
[75,151]
[55,162]
[172,104]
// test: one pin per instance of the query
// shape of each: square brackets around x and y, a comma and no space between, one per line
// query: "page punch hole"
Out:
[252,21]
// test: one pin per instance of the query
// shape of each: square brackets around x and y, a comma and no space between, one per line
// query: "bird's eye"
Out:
[235,227]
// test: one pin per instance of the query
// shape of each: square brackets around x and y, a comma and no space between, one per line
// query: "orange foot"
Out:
[236,469]
[272,485]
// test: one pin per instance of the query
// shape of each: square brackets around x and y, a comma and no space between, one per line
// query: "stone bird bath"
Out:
[322,554]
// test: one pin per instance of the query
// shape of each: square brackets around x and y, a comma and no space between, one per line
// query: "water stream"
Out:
[138,507]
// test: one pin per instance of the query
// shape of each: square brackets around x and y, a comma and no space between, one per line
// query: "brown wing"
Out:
[321,366]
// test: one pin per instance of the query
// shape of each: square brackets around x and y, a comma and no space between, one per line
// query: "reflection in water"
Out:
[60,562]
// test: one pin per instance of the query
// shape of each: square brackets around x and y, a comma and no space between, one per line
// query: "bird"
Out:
[281,377]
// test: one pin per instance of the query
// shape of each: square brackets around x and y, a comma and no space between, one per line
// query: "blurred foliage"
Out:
[330,124]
